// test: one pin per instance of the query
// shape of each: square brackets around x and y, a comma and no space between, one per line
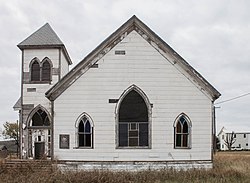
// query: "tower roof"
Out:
[45,37]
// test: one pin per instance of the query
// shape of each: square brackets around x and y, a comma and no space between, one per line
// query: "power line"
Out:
[240,96]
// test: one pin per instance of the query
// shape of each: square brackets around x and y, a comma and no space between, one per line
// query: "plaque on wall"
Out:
[64,141]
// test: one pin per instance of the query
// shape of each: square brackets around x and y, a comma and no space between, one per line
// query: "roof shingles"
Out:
[43,36]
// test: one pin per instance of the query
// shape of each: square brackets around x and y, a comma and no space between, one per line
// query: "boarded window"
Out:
[64,141]
[85,133]
[40,118]
[182,132]
[35,71]
[46,71]
[133,121]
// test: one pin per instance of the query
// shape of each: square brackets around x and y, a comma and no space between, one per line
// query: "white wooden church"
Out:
[132,103]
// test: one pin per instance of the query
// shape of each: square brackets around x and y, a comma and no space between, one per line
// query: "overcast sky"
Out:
[213,36]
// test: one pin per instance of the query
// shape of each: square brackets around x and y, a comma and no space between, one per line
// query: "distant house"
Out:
[132,103]
[10,144]
[242,139]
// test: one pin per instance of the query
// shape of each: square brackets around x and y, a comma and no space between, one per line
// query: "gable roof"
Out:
[17,105]
[230,131]
[162,47]
[45,37]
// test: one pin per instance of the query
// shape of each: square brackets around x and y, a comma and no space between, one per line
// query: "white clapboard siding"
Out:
[29,54]
[170,92]
[64,65]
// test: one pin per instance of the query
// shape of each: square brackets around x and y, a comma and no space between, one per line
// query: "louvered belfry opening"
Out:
[46,71]
[35,71]
[133,121]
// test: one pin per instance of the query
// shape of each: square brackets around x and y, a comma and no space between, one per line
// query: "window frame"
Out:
[189,133]
[40,81]
[46,59]
[77,137]
[149,108]
[34,61]
[33,112]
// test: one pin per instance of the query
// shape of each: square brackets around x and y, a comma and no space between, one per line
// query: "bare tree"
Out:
[230,140]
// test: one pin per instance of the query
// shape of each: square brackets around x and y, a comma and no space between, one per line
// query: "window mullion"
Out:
[40,69]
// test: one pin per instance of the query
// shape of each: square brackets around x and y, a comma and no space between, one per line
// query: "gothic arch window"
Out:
[85,132]
[41,72]
[133,119]
[35,71]
[182,131]
[46,71]
[40,118]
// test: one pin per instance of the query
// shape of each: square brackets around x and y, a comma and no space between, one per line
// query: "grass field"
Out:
[228,167]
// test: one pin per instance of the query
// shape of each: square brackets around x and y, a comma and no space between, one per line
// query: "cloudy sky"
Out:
[213,36]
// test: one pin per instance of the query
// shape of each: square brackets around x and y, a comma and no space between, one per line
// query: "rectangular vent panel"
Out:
[113,100]
[120,52]
[31,89]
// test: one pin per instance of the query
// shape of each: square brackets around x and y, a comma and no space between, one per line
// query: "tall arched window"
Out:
[85,132]
[46,71]
[40,72]
[40,118]
[133,121]
[182,130]
[35,71]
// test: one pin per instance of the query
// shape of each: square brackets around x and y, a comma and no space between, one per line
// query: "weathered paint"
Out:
[170,92]
[31,100]
[134,24]
[132,166]
[132,56]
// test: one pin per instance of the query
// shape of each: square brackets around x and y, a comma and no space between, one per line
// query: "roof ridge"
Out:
[141,28]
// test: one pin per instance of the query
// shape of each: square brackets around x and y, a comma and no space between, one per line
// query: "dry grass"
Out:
[228,167]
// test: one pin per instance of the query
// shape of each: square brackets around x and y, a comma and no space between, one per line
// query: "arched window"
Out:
[46,71]
[85,132]
[40,118]
[40,72]
[133,121]
[182,130]
[35,71]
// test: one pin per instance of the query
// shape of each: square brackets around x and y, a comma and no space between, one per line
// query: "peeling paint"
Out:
[163,48]
[133,165]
